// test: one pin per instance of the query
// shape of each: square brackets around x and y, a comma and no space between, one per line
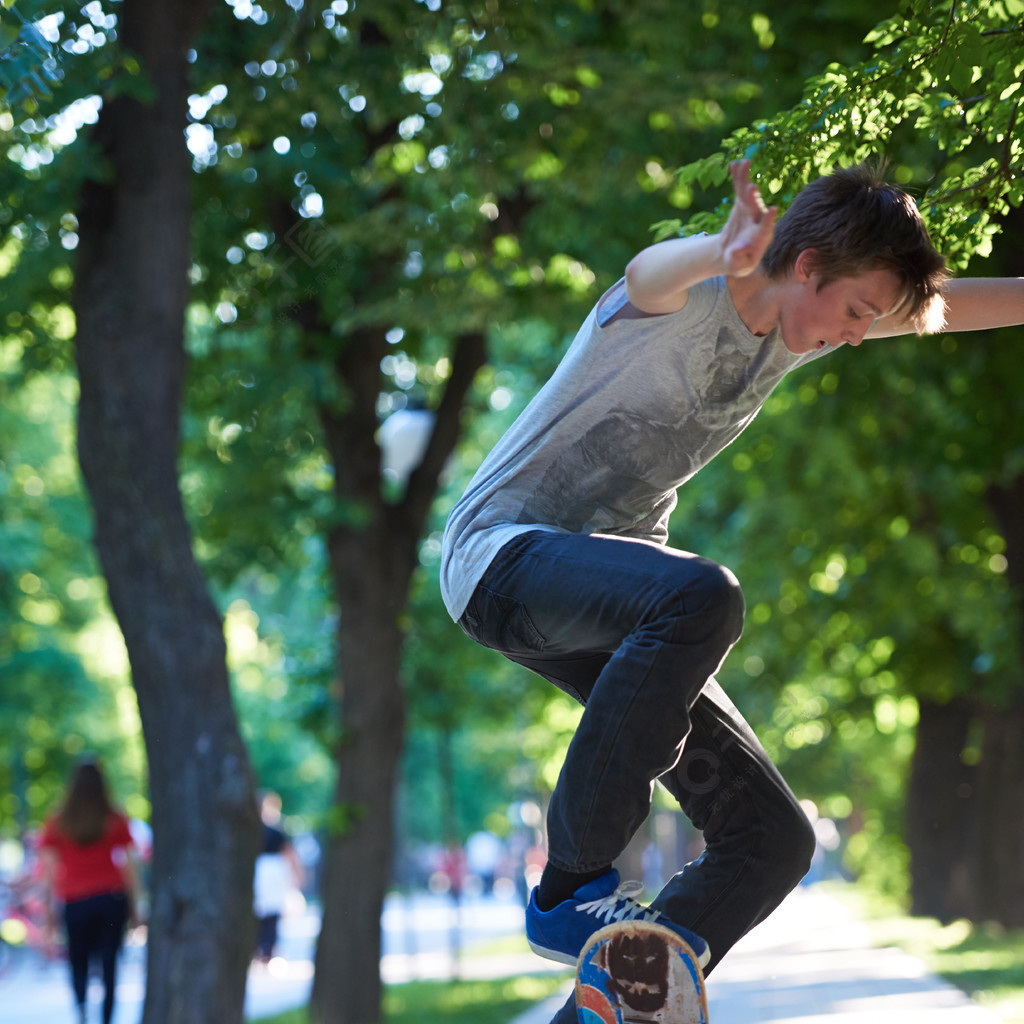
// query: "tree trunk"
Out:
[373,554]
[965,825]
[1000,835]
[130,296]
[940,812]
[358,869]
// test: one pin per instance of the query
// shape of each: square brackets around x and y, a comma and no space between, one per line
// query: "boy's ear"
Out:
[805,266]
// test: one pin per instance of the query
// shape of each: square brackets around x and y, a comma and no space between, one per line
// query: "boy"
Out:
[556,553]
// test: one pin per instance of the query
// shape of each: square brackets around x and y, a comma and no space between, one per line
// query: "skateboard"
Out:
[639,972]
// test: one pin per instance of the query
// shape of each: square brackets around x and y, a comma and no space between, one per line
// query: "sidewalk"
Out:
[811,962]
[417,934]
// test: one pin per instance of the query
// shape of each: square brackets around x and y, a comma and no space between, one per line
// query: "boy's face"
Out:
[839,313]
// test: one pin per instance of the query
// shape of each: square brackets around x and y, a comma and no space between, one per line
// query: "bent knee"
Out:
[699,606]
[722,587]
[716,592]
[795,846]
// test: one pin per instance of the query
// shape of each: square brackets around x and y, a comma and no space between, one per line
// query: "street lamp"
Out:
[403,438]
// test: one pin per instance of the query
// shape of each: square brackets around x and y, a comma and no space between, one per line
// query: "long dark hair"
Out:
[86,808]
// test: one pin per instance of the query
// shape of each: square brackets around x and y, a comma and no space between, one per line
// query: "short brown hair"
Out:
[856,222]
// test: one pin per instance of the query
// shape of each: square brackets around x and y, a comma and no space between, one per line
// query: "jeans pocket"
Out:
[501,623]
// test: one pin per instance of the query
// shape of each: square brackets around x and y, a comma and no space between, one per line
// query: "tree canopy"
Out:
[378,191]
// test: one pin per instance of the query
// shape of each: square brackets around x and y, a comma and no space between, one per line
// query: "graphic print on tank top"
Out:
[621,475]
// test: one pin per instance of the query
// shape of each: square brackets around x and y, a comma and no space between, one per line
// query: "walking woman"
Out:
[85,849]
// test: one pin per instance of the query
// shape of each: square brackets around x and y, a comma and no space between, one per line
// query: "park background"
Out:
[275,277]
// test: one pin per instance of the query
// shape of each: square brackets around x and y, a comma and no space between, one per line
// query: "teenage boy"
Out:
[556,554]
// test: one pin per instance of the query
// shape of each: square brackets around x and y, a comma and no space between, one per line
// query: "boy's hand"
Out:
[750,227]
[659,278]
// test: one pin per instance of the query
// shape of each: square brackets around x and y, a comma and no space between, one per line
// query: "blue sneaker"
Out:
[561,933]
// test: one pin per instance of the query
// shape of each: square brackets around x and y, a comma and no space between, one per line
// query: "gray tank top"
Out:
[636,407]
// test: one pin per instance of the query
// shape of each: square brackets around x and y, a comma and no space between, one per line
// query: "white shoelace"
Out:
[620,905]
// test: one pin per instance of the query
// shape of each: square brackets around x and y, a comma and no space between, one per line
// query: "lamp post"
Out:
[403,438]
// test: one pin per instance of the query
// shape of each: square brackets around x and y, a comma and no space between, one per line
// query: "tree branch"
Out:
[470,354]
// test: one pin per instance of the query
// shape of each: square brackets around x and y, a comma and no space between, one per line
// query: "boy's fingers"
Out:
[740,172]
[751,198]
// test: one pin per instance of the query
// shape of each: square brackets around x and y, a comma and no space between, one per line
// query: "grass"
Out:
[986,961]
[453,1002]
[492,1001]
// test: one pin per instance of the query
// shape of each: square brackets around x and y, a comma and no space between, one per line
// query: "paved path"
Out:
[811,962]
[419,933]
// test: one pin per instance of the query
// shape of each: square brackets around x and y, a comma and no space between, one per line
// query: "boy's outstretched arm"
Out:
[972,304]
[659,278]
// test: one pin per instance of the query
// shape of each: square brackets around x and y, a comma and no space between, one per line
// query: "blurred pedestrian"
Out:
[85,850]
[484,851]
[278,873]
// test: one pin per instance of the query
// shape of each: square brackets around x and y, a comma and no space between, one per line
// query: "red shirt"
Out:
[89,869]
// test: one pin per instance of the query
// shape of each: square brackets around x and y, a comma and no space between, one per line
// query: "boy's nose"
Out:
[855,335]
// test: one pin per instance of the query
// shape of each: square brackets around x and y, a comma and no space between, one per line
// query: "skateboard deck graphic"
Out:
[639,972]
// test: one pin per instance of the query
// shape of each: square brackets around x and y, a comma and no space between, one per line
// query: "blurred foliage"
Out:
[27,63]
[429,168]
[939,93]
[62,660]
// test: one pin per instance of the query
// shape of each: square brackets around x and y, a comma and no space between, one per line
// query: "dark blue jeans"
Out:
[636,632]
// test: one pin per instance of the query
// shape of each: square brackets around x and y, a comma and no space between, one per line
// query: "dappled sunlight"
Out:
[362,186]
